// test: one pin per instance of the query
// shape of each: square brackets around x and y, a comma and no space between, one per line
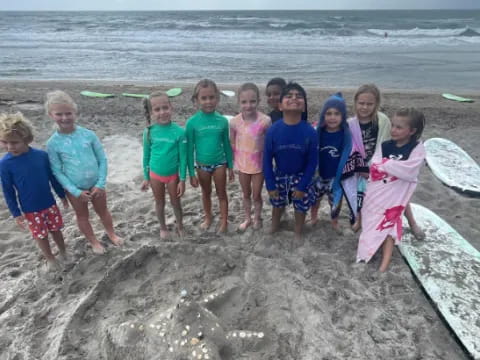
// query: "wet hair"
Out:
[59,97]
[295,86]
[204,83]
[248,86]
[147,107]
[369,89]
[278,81]
[15,125]
[417,120]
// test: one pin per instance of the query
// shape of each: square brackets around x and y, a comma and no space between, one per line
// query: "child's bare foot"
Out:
[98,248]
[53,266]
[383,268]
[163,234]
[417,232]
[257,224]
[336,227]
[243,226]
[63,257]
[298,241]
[205,225]
[180,233]
[356,226]
[117,241]
[222,229]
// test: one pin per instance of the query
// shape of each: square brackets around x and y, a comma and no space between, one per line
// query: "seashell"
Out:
[260,335]
[141,327]
[207,356]
[184,332]
[194,341]
[170,349]
[205,350]
[194,353]
[187,327]
[132,326]
[242,334]
[183,293]
[234,334]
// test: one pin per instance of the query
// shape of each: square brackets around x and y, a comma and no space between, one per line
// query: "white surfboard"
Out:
[452,165]
[448,268]
[228,93]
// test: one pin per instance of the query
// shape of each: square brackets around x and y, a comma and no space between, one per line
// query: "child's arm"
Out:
[233,135]
[9,192]
[190,147]
[267,162]
[57,187]
[147,150]
[227,146]
[57,170]
[182,150]
[312,163]
[102,162]
[409,169]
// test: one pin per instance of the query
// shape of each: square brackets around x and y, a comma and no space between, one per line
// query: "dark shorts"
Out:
[322,187]
[286,185]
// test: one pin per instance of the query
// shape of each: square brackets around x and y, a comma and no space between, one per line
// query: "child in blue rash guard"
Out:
[26,183]
[293,145]
[79,164]
[335,145]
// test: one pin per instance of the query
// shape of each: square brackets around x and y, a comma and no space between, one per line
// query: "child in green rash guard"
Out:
[80,166]
[209,151]
[164,158]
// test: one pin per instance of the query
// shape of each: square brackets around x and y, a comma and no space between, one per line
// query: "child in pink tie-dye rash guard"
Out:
[247,136]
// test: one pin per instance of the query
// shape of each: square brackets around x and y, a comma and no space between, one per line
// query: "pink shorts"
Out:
[163,179]
[44,221]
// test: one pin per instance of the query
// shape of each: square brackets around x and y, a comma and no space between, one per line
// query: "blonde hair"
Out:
[248,86]
[16,125]
[59,97]
[369,89]
[204,83]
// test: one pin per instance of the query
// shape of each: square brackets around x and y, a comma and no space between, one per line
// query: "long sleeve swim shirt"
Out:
[26,179]
[295,151]
[208,141]
[164,151]
[78,160]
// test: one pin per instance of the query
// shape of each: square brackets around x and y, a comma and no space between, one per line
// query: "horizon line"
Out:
[310,9]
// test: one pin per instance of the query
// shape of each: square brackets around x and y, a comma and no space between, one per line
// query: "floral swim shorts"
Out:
[286,185]
[44,221]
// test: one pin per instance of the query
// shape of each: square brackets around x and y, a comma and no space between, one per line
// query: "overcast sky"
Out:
[233,5]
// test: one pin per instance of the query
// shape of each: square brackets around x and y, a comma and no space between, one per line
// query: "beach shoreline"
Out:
[311,303]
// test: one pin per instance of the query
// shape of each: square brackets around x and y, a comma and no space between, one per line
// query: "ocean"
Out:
[427,49]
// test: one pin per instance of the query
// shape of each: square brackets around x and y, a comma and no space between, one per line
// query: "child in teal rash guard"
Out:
[164,158]
[209,151]
[80,166]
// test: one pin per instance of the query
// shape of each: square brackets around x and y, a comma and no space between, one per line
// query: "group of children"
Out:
[299,164]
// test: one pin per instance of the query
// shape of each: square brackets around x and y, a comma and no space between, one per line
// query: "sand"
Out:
[248,294]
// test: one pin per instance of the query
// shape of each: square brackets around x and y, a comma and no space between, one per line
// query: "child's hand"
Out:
[97,193]
[231,175]
[64,202]
[297,194]
[145,185]
[85,196]
[273,194]
[20,220]
[194,181]
[180,188]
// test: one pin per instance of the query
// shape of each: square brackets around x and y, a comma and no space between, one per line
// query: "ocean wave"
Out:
[419,32]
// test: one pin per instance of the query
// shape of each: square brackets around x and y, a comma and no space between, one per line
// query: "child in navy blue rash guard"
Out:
[335,145]
[293,144]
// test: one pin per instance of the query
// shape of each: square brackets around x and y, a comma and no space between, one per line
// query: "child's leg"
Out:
[176,205]
[100,206]
[205,180]
[314,212]
[81,213]
[276,216]
[220,180]
[416,230]
[246,185]
[44,246]
[58,238]
[335,216]
[158,189]
[387,252]
[299,222]
[257,186]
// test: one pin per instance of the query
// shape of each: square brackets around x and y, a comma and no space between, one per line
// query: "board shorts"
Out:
[209,168]
[325,186]
[163,179]
[44,221]
[286,185]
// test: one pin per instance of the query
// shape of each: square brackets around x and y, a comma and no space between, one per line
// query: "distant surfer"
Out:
[385,35]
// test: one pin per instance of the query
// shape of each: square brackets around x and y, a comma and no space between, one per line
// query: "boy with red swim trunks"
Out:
[26,178]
